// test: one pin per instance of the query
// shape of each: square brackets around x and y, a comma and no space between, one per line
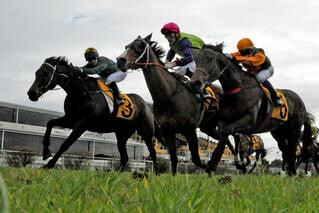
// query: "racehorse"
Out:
[309,155]
[248,145]
[243,107]
[175,107]
[86,109]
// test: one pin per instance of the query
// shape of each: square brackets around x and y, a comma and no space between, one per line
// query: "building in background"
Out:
[22,129]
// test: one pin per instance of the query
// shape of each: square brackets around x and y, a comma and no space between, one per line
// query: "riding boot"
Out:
[116,93]
[273,94]
[189,73]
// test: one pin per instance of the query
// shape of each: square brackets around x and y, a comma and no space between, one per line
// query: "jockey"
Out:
[185,45]
[105,68]
[256,63]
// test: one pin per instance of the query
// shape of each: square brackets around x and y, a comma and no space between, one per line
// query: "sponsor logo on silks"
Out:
[126,110]
[280,112]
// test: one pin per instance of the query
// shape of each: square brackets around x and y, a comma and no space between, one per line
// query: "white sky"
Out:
[36,29]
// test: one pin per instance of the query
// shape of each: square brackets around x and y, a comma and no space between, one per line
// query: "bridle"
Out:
[54,73]
[147,63]
[210,76]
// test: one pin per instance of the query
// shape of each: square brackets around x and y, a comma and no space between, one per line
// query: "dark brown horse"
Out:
[246,146]
[243,107]
[86,109]
[176,108]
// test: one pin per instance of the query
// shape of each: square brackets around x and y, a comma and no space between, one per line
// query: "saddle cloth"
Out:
[211,104]
[280,112]
[126,110]
[256,142]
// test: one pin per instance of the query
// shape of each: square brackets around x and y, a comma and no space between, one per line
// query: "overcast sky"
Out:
[33,30]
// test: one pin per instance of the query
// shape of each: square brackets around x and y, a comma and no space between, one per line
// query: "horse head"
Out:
[137,54]
[52,72]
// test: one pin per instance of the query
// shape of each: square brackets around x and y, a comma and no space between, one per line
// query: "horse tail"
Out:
[158,133]
[307,132]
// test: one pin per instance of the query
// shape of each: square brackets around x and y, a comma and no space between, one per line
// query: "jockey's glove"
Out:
[170,65]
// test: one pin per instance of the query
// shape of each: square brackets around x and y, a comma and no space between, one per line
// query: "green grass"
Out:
[33,190]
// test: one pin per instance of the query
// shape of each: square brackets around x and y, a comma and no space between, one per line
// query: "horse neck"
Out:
[231,78]
[71,85]
[160,83]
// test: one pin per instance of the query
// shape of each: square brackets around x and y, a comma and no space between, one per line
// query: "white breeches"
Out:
[116,77]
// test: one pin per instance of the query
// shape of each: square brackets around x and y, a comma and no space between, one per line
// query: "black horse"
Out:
[176,108]
[243,107]
[246,147]
[86,109]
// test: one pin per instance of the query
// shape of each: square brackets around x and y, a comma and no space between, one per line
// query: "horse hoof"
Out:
[46,155]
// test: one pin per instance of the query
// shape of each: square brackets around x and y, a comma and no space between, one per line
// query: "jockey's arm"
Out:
[170,55]
[100,67]
[186,46]
[254,60]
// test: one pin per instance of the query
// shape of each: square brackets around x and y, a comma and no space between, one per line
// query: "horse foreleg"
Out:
[255,163]
[171,142]
[193,147]
[61,122]
[216,156]
[75,134]
[152,151]
[237,141]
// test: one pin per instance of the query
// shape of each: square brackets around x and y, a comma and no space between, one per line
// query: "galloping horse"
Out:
[86,109]
[247,146]
[243,107]
[175,107]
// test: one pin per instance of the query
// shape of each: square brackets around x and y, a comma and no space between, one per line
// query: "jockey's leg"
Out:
[111,81]
[262,77]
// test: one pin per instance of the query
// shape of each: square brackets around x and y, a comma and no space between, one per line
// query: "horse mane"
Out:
[58,60]
[217,48]
[63,60]
[157,49]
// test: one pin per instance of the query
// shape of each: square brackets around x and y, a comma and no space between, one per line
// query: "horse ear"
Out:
[139,36]
[148,38]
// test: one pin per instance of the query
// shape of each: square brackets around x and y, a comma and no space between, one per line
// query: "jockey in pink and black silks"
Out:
[185,45]
[257,63]
[107,69]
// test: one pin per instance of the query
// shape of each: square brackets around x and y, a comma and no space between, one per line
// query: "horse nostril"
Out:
[121,61]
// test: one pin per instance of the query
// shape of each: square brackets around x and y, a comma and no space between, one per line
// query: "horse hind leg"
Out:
[152,151]
[121,145]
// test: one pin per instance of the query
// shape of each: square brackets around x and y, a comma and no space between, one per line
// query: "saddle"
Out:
[208,104]
[124,111]
[280,112]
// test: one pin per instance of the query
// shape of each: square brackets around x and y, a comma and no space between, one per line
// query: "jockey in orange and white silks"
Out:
[106,68]
[257,63]
[185,45]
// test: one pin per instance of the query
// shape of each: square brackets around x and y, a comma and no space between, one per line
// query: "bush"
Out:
[163,165]
[20,159]
[75,162]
